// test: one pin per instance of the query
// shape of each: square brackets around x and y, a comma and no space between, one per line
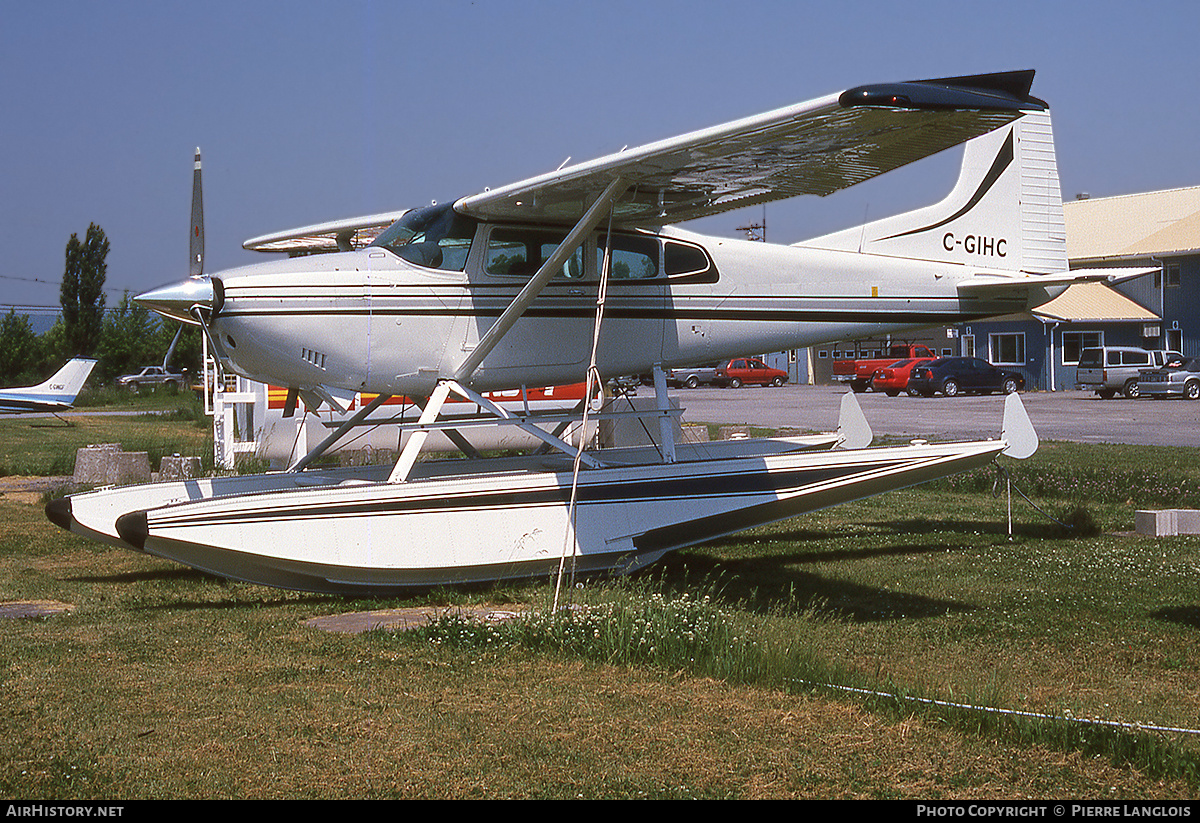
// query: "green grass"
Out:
[797,660]
[1146,476]
[46,447]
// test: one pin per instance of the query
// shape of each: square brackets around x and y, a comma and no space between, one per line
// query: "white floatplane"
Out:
[579,274]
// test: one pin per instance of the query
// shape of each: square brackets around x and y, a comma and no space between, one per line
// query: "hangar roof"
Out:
[1093,302]
[1131,226]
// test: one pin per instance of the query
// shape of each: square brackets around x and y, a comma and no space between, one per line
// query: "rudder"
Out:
[67,381]
[1005,211]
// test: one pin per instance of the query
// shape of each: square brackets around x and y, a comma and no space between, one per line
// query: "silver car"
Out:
[1178,377]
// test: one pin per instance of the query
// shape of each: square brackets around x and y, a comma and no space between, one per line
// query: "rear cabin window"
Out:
[685,262]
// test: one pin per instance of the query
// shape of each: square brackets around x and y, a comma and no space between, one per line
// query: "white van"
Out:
[1107,370]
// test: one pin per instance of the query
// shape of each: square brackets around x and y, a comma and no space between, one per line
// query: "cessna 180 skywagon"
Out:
[582,272]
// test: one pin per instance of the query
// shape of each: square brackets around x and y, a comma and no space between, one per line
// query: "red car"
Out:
[743,370]
[893,379]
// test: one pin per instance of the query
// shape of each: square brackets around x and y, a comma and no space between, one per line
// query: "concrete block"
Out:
[105,464]
[1167,522]
[91,463]
[734,432]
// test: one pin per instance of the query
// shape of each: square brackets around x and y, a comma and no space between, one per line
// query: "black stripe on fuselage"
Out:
[659,309]
[618,492]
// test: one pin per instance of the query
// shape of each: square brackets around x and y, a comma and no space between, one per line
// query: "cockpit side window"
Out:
[521,252]
[436,237]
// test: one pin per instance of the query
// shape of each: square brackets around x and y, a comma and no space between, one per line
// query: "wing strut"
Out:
[522,301]
[601,206]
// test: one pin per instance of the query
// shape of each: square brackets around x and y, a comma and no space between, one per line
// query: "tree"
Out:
[20,348]
[128,339]
[82,293]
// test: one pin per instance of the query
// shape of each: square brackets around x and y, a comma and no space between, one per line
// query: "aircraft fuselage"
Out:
[370,320]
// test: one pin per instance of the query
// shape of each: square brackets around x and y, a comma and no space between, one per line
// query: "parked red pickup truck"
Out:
[858,373]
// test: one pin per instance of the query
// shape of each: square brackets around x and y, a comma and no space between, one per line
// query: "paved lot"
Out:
[1070,415]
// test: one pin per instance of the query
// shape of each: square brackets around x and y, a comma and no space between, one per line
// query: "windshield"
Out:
[436,237]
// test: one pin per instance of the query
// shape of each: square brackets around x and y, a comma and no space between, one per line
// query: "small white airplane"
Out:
[581,273]
[54,395]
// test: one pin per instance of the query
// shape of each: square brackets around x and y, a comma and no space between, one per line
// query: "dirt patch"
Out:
[18,609]
[406,619]
[29,490]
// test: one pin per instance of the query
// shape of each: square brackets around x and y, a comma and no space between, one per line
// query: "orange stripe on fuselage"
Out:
[277,396]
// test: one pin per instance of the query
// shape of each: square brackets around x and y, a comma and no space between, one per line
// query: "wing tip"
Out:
[1005,91]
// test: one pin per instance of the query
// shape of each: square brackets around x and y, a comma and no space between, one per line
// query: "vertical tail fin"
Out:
[66,383]
[1005,211]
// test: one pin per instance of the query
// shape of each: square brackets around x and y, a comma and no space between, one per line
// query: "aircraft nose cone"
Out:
[177,299]
[58,511]
[133,529]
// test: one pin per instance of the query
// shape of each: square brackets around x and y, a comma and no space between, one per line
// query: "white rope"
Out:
[946,704]
[593,380]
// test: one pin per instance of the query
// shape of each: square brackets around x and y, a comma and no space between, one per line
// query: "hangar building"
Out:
[1158,232]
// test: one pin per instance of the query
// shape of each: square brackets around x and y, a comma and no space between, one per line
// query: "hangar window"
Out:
[1007,349]
[1172,275]
[1074,342]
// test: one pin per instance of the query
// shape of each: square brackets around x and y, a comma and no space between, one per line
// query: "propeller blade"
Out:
[196,265]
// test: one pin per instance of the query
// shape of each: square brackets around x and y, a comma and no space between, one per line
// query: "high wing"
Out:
[335,235]
[817,147]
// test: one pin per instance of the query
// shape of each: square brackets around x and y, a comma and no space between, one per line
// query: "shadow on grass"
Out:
[153,576]
[915,526]
[769,583]
[1181,615]
[218,605]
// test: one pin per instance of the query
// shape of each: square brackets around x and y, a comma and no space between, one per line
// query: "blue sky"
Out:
[310,111]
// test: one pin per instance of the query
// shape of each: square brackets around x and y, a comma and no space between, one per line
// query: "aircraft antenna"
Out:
[756,231]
